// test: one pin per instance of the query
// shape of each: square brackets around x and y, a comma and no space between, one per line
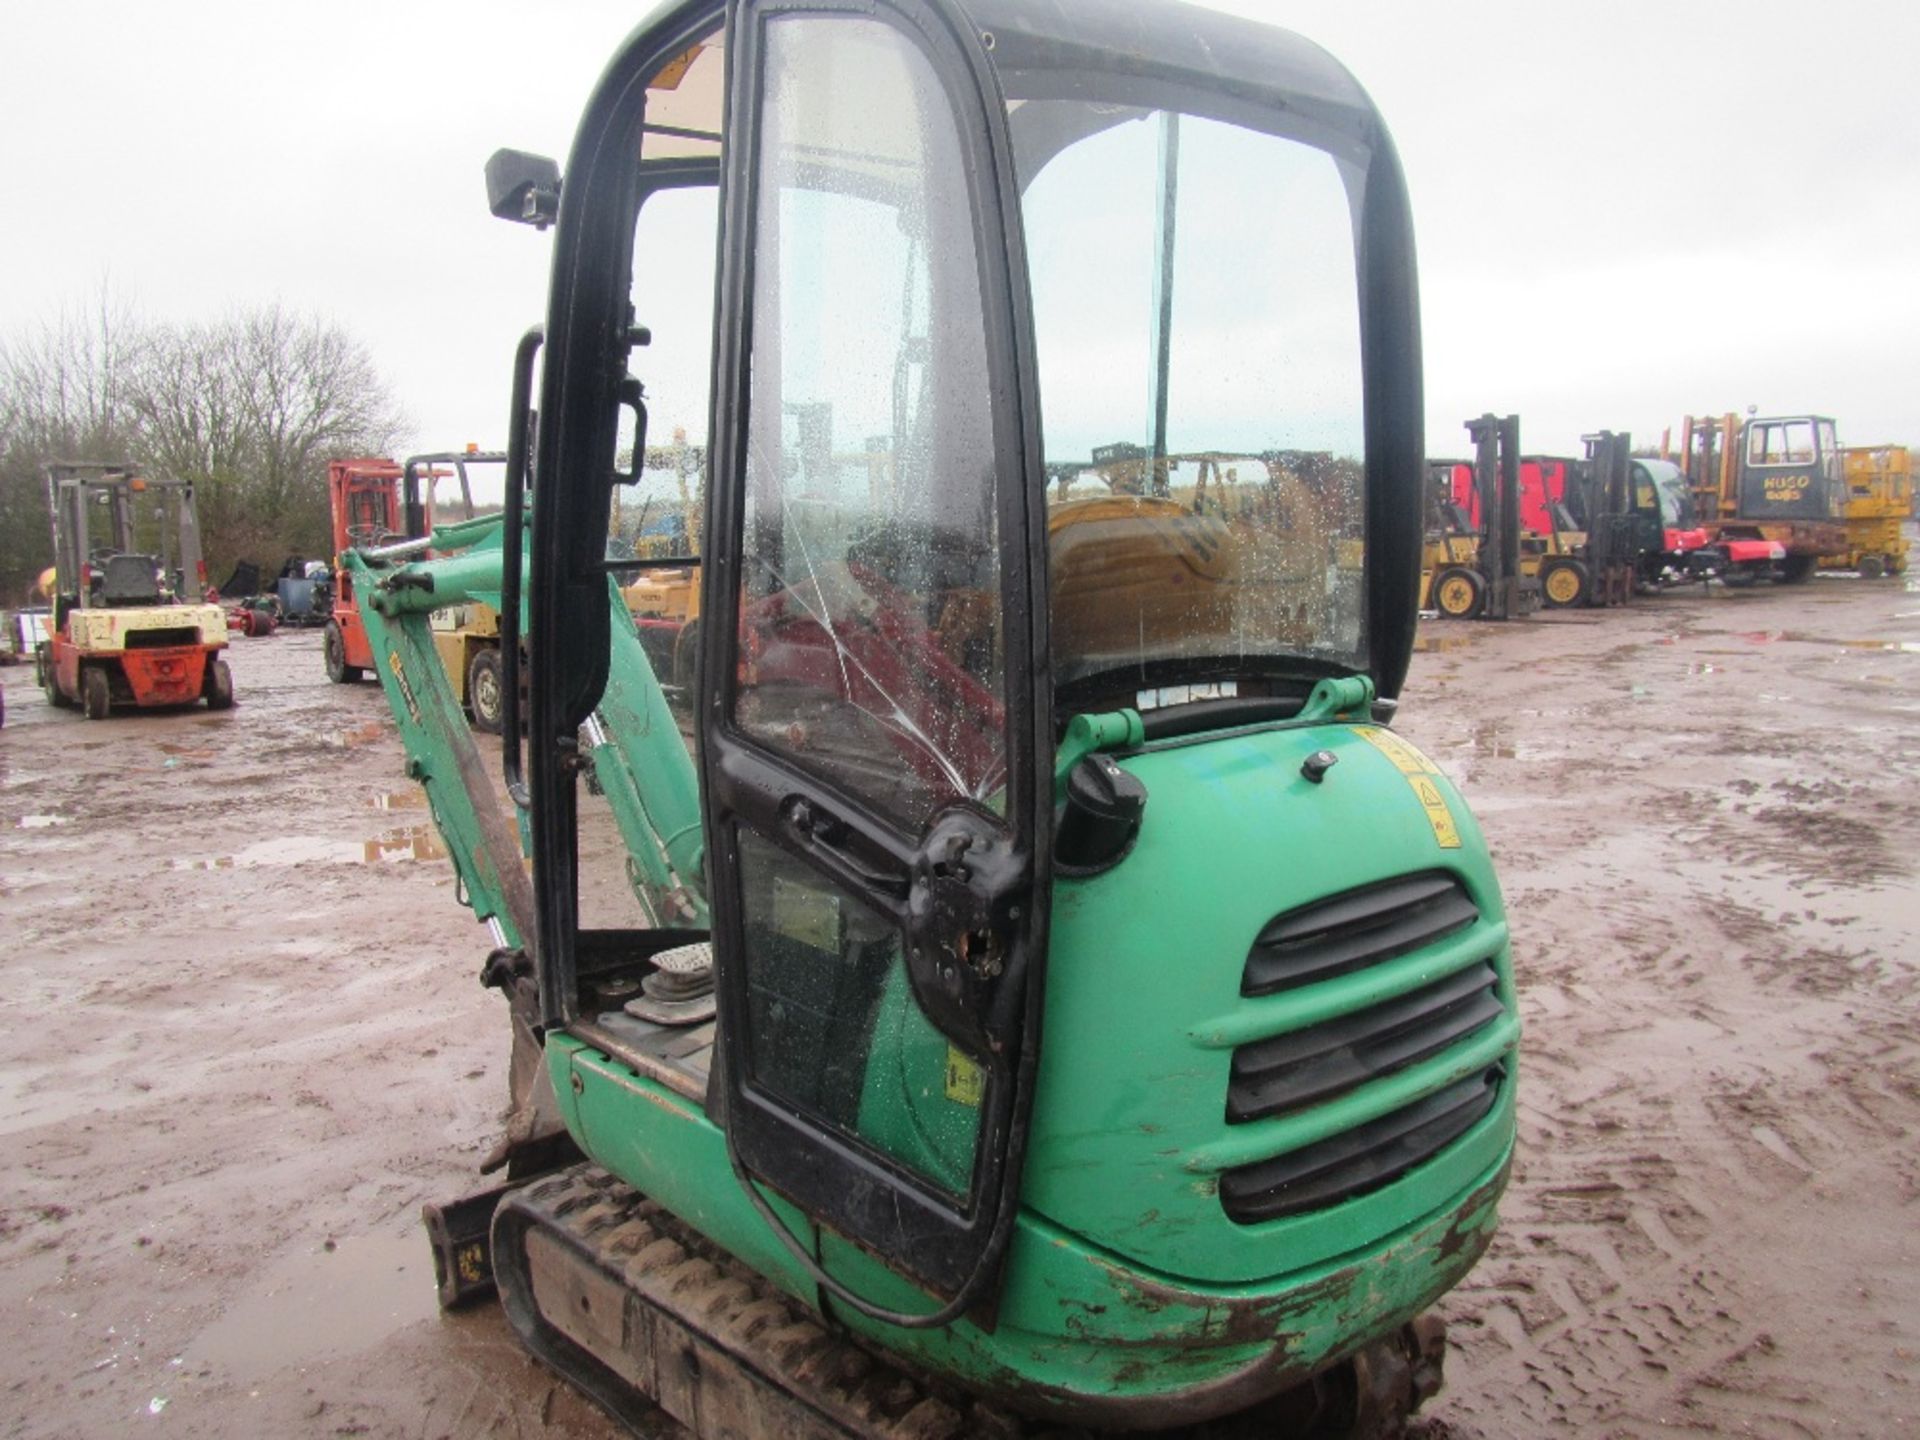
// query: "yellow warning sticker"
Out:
[1406,759]
[1420,773]
[406,685]
[966,1081]
[1438,815]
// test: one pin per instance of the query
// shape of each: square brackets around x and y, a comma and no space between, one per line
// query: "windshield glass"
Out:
[1670,485]
[1196,316]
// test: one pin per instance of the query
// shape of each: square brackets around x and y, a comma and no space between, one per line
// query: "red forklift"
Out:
[129,626]
[1575,561]
[376,502]
[364,498]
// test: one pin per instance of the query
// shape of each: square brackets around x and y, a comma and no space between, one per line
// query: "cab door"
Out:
[872,733]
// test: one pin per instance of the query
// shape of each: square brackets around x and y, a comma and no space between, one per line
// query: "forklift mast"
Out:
[1608,506]
[1496,471]
[169,532]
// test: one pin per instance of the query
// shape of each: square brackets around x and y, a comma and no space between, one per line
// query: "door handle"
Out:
[634,396]
[824,836]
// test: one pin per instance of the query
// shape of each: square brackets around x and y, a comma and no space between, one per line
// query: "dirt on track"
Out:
[244,1040]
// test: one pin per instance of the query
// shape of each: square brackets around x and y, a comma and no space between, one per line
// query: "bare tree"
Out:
[63,395]
[250,407]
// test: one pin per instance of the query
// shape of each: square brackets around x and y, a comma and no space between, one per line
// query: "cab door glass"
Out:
[655,515]
[869,637]
[870,578]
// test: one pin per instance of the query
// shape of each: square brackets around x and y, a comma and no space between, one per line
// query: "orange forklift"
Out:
[364,498]
[128,625]
[376,502]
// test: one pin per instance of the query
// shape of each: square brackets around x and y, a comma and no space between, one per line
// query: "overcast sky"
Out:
[1625,211]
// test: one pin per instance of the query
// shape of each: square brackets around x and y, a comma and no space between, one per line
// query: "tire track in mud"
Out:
[1719,1067]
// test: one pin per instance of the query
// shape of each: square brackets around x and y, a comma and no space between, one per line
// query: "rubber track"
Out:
[853,1391]
[745,1359]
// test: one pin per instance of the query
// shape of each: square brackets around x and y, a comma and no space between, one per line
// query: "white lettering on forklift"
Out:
[1418,769]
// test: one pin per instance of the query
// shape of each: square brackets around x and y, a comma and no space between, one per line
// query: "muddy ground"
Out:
[242,1040]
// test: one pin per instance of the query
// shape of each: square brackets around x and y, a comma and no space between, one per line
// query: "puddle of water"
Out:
[1901,647]
[40,822]
[412,798]
[415,842]
[411,842]
[359,735]
[1426,644]
[323,1302]
[188,752]
[1491,739]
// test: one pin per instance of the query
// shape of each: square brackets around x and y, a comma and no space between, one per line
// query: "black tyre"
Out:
[1798,569]
[50,682]
[1564,583]
[334,646]
[1459,593]
[1873,567]
[96,691]
[218,686]
[486,695]
[686,657]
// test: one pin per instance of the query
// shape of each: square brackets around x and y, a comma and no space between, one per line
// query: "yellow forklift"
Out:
[1474,565]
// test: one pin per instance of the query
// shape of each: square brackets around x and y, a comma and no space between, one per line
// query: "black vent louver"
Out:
[1360,928]
[1360,1160]
[1287,1072]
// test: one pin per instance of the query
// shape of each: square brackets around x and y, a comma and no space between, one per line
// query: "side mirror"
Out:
[523,187]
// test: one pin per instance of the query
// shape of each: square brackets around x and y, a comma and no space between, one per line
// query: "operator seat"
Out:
[130,580]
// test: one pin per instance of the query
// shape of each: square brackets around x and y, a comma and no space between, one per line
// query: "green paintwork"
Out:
[1088,733]
[1341,698]
[648,778]
[659,820]
[1074,1321]
[442,756]
[1166,934]
[911,1108]
[1126,1278]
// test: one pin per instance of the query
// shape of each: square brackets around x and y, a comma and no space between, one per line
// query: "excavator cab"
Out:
[929,225]
[1110,1019]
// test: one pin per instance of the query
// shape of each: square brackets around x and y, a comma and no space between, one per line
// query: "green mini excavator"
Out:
[1043,995]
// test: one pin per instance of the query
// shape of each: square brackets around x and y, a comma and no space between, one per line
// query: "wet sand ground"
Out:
[242,1040]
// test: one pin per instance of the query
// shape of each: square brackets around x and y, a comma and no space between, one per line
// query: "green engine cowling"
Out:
[1275,1108]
